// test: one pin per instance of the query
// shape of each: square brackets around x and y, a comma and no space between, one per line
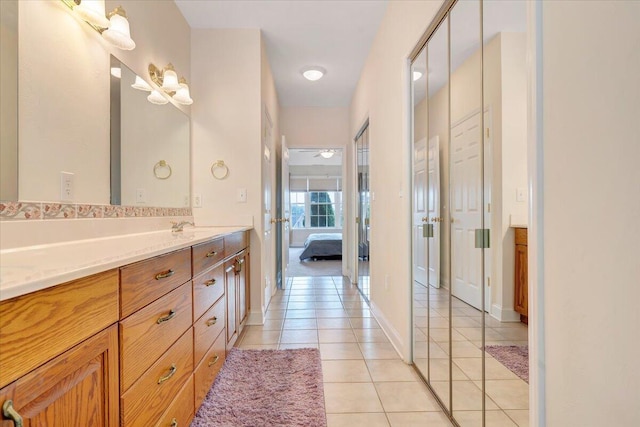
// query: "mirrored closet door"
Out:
[470,209]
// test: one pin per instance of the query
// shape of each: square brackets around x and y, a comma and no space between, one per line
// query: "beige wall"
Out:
[590,210]
[382,95]
[315,127]
[9,100]
[64,91]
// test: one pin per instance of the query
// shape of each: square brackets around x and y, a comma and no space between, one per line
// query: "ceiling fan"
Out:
[325,153]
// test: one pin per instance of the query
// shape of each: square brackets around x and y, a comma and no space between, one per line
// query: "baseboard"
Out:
[504,314]
[256,317]
[389,330]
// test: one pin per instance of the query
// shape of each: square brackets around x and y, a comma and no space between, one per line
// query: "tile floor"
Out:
[365,381]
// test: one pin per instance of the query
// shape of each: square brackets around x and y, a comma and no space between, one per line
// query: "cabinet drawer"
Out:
[146,281]
[36,327]
[521,236]
[150,396]
[234,243]
[206,255]
[181,410]
[207,289]
[147,333]
[206,329]
[208,368]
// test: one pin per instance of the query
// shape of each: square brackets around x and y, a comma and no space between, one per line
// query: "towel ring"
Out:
[159,166]
[219,170]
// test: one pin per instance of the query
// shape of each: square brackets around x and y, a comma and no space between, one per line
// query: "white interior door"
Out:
[286,212]
[420,212]
[268,244]
[433,210]
[466,210]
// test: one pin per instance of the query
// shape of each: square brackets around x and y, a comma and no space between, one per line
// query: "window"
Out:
[316,209]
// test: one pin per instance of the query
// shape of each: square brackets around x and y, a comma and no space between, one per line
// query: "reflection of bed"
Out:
[322,245]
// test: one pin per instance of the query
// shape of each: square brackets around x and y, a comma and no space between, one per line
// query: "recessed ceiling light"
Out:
[313,73]
[416,75]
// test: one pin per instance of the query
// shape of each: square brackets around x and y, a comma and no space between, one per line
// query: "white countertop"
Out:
[29,269]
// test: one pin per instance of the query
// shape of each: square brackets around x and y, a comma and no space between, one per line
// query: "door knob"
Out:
[425,219]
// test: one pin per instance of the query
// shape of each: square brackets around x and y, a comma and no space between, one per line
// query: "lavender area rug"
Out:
[514,357]
[266,388]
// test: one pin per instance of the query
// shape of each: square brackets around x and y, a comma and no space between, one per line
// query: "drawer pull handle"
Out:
[172,371]
[212,321]
[174,423]
[210,282]
[166,318]
[165,274]
[212,253]
[10,412]
[214,360]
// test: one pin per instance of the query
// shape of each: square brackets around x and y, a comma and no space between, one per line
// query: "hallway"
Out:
[365,381]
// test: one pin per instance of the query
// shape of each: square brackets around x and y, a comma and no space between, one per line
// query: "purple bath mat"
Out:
[266,388]
[514,357]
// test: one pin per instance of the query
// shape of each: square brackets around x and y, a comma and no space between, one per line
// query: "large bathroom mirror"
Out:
[9,100]
[149,146]
[469,169]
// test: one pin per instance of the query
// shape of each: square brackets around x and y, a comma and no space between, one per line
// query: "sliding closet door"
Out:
[363,219]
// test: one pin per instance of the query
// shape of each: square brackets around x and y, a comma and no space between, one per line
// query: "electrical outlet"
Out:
[141,195]
[66,186]
[197,201]
[242,195]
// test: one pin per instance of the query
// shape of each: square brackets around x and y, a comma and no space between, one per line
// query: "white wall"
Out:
[382,96]
[590,212]
[64,91]
[315,127]
[9,100]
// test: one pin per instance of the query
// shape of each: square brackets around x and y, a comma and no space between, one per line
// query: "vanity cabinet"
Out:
[521,294]
[236,279]
[59,354]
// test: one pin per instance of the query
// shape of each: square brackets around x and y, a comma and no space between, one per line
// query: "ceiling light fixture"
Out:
[313,73]
[327,154]
[416,75]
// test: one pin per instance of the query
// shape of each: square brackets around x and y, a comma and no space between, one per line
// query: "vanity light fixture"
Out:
[156,98]
[167,80]
[416,75]
[313,73]
[114,27]
[170,79]
[327,154]
[182,96]
[116,72]
[140,84]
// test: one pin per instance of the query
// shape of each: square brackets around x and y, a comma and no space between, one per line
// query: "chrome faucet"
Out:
[178,226]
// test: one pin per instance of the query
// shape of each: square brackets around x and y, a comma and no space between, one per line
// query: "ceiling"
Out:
[333,34]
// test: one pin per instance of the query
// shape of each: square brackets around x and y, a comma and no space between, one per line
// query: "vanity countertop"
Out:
[29,269]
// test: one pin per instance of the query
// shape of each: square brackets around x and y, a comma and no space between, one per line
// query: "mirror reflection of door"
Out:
[283,208]
[363,219]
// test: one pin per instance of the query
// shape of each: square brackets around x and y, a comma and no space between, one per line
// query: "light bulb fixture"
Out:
[118,33]
[416,75]
[170,79]
[182,95]
[140,84]
[327,154]
[116,72]
[156,98]
[313,73]
[91,11]
[114,27]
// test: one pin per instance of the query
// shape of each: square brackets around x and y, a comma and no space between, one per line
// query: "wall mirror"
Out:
[469,169]
[150,153]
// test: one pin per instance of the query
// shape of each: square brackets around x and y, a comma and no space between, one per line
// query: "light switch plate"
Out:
[141,195]
[521,194]
[66,186]
[242,195]
[197,201]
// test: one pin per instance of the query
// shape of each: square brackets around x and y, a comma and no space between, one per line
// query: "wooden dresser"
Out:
[139,345]
[521,294]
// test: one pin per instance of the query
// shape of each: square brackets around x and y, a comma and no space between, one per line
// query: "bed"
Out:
[322,245]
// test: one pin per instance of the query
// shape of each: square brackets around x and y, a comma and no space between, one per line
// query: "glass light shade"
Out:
[170,81]
[156,98]
[182,95]
[140,84]
[416,75]
[327,154]
[313,74]
[92,11]
[118,33]
[116,72]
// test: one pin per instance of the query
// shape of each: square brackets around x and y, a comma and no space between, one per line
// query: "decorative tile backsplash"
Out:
[52,210]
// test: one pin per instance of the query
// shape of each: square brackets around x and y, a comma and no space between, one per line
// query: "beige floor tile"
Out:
[494,370]
[336,335]
[391,370]
[306,305]
[370,335]
[292,346]
[348,371]
[328,305]
[334,323]
[357,420]
[258,346]
[364,323]
[327,298]
[516,334]
[474,419]
[519,416]
[331,313]
[467,396]
[300,324]
[300,314]
[340,351]
[378,350]
[299,336]
[465,349]
[351,397]
[418,419]
[275,314]
[260,337]
[272,325]
[508,394]
[359,312]
[439,370]
[406,397]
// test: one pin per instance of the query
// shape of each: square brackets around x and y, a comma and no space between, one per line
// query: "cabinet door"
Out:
[521,288]
[77,388]
[231,295]
[243,287]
